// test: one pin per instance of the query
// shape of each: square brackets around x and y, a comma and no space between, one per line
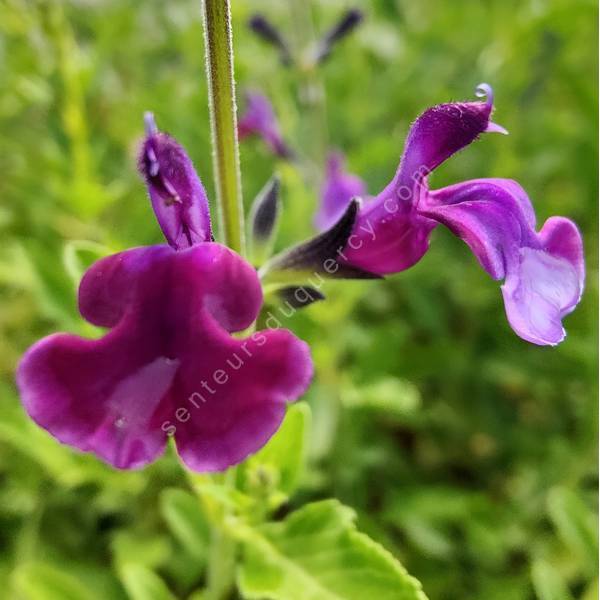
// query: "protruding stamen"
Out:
[171,189]
[484,90]
[154,168]
[150,123]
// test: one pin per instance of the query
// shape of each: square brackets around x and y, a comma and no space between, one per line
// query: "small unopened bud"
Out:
[299,296]
[346,25]
[322,255]
[176,192]
[264,216]
[270,34]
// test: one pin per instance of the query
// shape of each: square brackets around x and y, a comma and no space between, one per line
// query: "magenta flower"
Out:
[337,191]
[543,271]
[259,119]
[169,364]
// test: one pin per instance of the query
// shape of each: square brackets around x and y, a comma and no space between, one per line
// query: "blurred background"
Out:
[469,453]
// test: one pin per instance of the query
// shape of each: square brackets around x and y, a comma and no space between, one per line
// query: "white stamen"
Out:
[150,123]
[154,168]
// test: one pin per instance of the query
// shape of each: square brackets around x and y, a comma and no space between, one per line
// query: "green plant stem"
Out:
[220,577]
[221,564]
[311,93]
[221,558]
[226,161]
[223,119]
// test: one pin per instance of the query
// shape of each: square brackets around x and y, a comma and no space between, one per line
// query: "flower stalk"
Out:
[228,186]
[223,118]
[311,92]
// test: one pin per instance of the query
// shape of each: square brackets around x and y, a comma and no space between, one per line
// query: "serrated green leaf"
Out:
[317,554]
[183,514]
[41,581]
[547,582]
[575,523]
[143,584]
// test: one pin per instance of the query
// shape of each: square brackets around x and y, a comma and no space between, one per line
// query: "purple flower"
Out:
[169,364]
[337,191]
[259,119]
[543,271]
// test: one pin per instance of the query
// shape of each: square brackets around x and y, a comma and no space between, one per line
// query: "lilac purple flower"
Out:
[338,189]
[259,119]
[168,364]
[543,271]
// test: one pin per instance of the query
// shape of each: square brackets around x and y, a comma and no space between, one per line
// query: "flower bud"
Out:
[176,192]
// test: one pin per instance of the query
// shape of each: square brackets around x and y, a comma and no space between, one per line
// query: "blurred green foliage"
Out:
[468,453]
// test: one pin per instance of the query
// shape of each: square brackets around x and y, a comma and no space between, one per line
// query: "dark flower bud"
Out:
[346,25]
[323,255]
[264,216]
[299,296]
[270,34]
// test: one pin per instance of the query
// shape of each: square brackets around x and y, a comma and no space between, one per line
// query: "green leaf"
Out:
[576,525]
[58,461]
[317,554]
[79,255]
[548,583]
[183,514]
[130,547]
[283,459]
[50,285]
[431,540]
[41,581]
[591,592]
[394,396]
[143,584]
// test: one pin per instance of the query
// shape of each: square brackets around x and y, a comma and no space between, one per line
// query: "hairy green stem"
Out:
[226,161]
[223,119]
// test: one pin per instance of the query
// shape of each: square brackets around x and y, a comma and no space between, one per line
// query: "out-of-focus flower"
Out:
[259,119]
[338,189]
[169,364]
[543,271]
